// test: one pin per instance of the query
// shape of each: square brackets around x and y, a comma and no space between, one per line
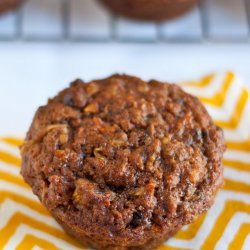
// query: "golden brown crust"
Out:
[151,10]
[122,163]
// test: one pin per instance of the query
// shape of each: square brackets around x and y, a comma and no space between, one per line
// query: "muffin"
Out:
[7,5]
[152,10]
[122,163]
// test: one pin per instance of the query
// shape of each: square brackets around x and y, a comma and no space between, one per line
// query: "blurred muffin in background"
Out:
[7,5]
[151,10]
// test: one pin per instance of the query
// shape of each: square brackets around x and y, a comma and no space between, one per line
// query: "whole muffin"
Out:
[152,10]
[7,5]
[122,163]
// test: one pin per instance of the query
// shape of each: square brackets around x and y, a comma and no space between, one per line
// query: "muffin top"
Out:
[124,158]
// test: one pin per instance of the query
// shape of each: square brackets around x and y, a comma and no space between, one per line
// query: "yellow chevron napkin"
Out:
[25,224]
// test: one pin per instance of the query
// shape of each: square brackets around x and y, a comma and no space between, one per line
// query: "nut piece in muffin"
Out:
[151,10]
[122,163]
[7,5]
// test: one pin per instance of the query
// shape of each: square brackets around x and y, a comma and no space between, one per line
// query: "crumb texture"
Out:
[123,163]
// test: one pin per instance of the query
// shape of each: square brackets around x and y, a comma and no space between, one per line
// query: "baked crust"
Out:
[151,10]
[122,163]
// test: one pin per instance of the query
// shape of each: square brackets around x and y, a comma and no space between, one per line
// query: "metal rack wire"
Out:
[62,21]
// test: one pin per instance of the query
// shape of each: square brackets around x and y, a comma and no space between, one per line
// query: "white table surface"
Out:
[30,73]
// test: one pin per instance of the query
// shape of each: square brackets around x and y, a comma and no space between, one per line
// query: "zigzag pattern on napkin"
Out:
[26,224]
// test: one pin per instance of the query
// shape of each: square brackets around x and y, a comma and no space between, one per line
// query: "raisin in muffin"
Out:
[122,163]
[152,10]
[7,5]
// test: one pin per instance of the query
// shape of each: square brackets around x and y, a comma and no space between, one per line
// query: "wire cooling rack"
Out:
[88,21]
